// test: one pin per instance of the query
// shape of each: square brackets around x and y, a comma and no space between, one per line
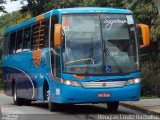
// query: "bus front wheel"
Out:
[16,100]
[112,106]
[53,106]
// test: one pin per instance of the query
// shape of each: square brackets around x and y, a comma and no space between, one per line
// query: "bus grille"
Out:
[103,84]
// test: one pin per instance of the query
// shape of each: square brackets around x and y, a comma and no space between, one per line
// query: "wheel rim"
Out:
[48,95]
[15,95]
[49,102]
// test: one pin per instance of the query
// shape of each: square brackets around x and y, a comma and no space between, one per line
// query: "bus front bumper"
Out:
[75,95]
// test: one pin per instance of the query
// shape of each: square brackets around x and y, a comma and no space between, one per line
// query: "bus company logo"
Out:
[104,85]
[109,22]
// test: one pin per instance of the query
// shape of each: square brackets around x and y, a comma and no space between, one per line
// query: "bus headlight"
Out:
[71,83]
[133,81]
[67,82]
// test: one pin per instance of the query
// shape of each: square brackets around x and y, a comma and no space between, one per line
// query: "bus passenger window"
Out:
[12,43]
[6,44]
[19,44]
[26,39]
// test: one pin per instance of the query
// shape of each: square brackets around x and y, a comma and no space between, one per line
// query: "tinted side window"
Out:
[26,39]
[6,44]
[55,53]
[40,34]
[54,21]
[19,43]
[12,43]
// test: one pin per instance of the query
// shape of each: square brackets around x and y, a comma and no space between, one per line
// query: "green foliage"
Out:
[150,69]
[53,4]
[115,3]
[69,3]
[144,10]
[94,3]
[36,7]
[155,28]
[149,76]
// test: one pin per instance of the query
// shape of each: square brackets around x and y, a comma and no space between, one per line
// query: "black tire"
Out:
[27,102]
[53,106]
[45,92]
[113,106]
[16,100]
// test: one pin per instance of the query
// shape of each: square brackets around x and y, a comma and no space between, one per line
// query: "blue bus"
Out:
[74,56]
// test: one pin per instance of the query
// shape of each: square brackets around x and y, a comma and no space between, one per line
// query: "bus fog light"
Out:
[133,81]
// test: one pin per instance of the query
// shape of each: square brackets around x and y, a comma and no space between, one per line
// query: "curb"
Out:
[140,108]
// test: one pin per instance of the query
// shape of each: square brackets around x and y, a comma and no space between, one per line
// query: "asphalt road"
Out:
[39,111]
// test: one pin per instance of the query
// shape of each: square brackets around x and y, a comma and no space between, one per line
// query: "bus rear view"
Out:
[94,58]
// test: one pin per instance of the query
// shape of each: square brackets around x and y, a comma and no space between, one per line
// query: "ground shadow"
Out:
[81,109]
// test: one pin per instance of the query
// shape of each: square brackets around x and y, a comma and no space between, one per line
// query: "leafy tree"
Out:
[40,6]
[36,7]
[144,10]
[155,28]
[2,9]
[95,3]
[54,4]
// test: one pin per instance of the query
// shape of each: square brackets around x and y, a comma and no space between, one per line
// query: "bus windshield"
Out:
[99,43]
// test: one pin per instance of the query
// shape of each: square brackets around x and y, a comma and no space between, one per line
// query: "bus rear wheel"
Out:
[16,100]
[112,106]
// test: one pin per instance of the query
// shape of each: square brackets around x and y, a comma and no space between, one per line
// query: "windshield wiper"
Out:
[90,56]
[107,52]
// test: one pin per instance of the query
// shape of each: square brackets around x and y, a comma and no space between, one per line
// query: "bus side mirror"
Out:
[145,35]
[57,35]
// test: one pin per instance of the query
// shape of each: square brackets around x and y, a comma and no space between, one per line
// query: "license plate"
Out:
[104,95]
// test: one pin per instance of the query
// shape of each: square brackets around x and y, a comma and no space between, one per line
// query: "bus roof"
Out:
[68,10]
[93,10]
